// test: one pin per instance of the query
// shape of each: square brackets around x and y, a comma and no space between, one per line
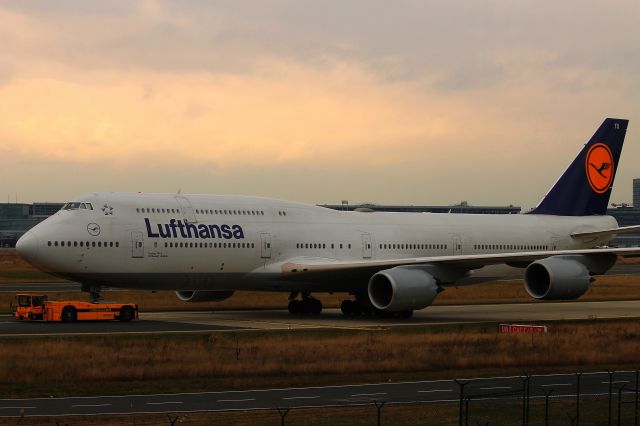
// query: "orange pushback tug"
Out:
[37,307]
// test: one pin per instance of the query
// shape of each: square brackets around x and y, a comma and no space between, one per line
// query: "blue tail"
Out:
[585,187]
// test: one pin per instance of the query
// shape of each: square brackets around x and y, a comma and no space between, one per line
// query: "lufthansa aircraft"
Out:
[205,247]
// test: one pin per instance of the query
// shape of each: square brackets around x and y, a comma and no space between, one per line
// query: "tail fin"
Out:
[585,187]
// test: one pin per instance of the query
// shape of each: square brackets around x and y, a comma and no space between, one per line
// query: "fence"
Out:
[604,398]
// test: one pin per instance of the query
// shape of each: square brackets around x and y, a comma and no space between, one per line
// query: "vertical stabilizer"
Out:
[585,187]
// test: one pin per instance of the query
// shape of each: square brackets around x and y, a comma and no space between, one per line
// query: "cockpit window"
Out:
[77,206]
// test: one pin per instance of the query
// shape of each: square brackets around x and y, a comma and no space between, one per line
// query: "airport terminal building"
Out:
[18,218]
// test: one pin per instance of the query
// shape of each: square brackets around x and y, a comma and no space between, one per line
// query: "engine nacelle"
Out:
[203,295]
[557,278]
[402,289]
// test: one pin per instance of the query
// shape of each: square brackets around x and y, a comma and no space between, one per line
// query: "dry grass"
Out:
[613,287]
[14,269]
[243,359]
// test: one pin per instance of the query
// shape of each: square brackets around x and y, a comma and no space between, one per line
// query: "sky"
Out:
[403,102]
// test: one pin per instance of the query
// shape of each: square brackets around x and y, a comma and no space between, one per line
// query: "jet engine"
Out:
[203,295]
[402,289]
[557,278]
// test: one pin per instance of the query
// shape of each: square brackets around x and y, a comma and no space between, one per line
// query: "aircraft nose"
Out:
[27,246]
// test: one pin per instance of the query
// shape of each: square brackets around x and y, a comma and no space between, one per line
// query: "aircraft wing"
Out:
[310,265]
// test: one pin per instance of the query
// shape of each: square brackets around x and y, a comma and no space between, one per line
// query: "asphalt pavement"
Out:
[265,320]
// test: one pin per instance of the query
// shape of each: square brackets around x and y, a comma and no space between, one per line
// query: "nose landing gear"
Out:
[93,290]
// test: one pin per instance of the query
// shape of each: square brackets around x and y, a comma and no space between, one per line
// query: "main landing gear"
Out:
[93,290]
[359,307]
[307,306]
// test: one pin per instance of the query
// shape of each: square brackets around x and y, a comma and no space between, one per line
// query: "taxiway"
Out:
[208,321]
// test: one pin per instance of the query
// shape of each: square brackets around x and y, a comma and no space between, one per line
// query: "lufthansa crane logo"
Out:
[599,167]
[93,229]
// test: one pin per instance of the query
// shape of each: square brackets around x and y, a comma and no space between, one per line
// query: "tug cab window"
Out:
[38,300]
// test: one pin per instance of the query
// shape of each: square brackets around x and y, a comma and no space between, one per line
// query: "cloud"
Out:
[284,112]
[392,99]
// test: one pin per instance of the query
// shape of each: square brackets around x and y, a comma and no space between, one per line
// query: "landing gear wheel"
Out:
[294,307]
[305,306]
[405,314]
[316,306]
[126,314]
[69,314]
[347,307]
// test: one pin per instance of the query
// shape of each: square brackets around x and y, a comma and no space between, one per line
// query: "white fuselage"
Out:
[202,242]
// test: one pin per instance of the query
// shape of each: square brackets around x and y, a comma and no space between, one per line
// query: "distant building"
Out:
[45,209]
[626,216]
[636,193]
[18,218]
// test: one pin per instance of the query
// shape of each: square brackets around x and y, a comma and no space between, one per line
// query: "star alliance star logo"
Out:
[107,209]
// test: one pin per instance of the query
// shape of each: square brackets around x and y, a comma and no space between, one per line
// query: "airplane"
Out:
[206,247]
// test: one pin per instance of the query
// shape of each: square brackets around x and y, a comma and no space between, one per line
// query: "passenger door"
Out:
[367,250]
[265,245]
[137,244]
[457,246]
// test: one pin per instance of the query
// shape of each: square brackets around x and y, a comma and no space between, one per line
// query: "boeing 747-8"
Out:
[205,247]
